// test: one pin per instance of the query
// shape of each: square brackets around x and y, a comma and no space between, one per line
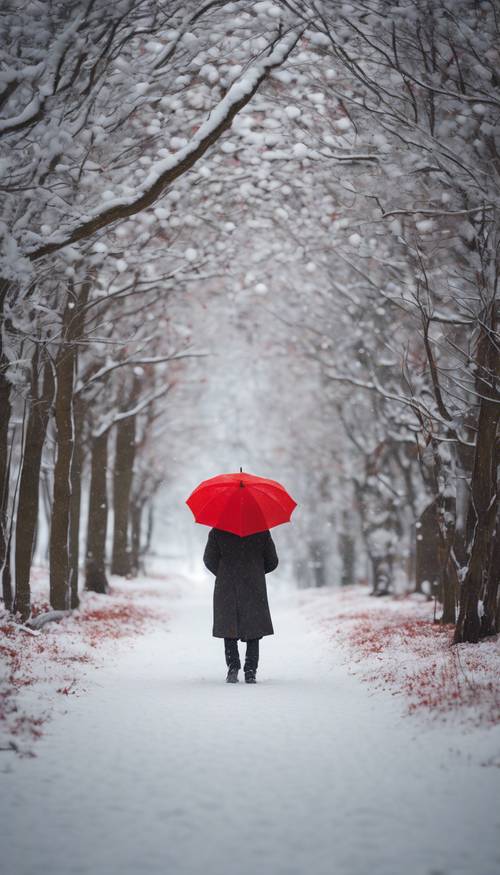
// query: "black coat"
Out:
[241,609]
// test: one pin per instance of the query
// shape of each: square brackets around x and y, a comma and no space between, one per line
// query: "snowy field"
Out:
[155,765]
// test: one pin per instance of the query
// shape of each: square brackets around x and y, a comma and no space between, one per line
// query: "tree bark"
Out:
[149,527]
[96,580]
[122,484]
[489,620]
[136,509]
[5,414]
[449,580]
[428,548]
[382,575]
[59,534]
[318,562]
[76,501]
[484,501]
[29,483]
[346,548]
[449,593]
[66,365]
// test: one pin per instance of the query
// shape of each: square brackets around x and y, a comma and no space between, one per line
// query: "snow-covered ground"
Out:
[395,644]
[157,766]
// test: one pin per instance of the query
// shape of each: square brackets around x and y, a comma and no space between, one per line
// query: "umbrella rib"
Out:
[260,510]
[237,509]
[204,506]
[274,498]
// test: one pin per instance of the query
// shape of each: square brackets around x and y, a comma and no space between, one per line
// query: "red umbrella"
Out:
[241,503]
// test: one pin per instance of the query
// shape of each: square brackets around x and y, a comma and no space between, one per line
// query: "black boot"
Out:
[251,660]
[232,659]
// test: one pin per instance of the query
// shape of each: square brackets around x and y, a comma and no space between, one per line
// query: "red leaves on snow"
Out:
[399,648]
[48,660]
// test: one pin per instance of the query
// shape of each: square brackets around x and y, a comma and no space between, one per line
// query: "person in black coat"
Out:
[241,609]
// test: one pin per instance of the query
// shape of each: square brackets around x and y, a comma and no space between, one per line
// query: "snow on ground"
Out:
[158,766]
[38,667]
[395,644]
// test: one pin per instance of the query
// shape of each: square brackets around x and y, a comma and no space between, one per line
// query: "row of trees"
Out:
[102,110]
[376,232]
[402,307]
[359,153]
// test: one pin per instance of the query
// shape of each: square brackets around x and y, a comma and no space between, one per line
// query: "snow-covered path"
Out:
[161,767]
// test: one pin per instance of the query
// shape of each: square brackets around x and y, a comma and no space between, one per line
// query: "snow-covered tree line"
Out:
[406,315]
[376,237]
[356,146]
[102,110]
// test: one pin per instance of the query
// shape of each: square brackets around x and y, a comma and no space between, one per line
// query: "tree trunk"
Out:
[136,509]
[484,493]
[318,562]
[446,537]
[5,413]
[428,547]
[449,594]
[497,619]
[346,548]
[66,365]
[449,580]
[150,527]
[382,575]
[46,489]
[29,484]
[76,501]
[96,580]
[489,620]
[122,484]
[61,505]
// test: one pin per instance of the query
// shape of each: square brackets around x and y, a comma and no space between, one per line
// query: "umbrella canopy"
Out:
[241,503]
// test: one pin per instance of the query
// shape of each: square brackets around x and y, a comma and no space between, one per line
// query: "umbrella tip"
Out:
[241,470]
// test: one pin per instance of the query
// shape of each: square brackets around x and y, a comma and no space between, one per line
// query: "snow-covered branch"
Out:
[120,415]
[169,169]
